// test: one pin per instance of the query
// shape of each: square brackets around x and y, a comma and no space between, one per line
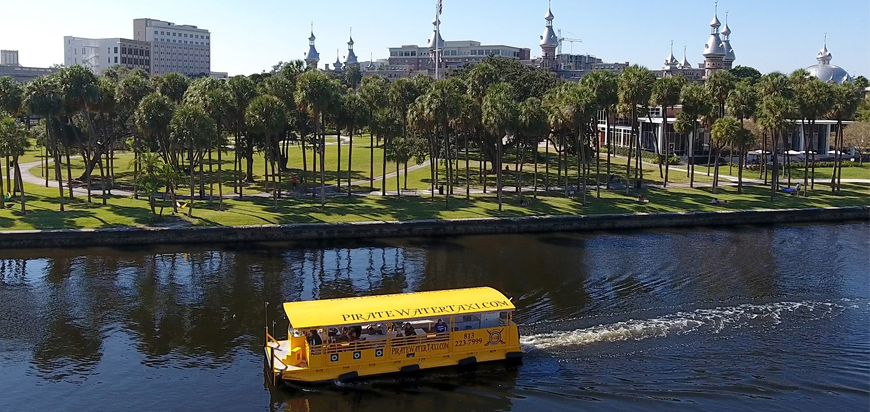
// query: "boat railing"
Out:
[379,343]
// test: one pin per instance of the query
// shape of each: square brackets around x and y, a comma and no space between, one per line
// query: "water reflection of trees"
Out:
[196,308]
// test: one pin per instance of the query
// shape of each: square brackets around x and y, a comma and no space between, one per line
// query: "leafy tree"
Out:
[861,82]
[351,77]
[775,117]
[857,135]
[441,106]
[13,143]
[746,73]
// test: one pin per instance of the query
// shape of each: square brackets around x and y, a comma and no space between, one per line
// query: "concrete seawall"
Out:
[363,230]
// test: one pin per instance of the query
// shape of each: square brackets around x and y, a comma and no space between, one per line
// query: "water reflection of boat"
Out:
[343,339]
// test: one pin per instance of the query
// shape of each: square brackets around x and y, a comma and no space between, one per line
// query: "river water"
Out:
[748,318]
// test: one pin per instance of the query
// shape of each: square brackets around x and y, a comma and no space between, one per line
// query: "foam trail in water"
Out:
[701,320]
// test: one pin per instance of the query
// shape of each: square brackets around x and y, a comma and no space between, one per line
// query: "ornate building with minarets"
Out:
[714,51]
[312,58]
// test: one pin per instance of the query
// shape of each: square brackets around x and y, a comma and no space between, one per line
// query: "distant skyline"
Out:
[771,35]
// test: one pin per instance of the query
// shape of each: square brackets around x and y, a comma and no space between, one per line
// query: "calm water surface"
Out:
[755,318]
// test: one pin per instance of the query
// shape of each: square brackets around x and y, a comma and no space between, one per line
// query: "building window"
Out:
[116,59]
[155,31]
[116,50]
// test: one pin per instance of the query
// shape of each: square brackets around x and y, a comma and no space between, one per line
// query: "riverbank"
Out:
[418,228]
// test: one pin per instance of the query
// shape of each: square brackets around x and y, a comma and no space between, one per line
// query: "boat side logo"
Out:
[333,357]
[495,337]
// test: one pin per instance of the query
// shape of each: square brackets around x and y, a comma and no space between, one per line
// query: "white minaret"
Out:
[726,42]
[312,57]
[549,42]
[351,59]
[714,51]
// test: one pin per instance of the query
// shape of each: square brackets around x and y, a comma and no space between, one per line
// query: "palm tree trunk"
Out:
[322,149]
[210,178]
[535,190]
[691,168]
[405,186]
[433,164]
[68,172]
[774,179]
[220,175]
[597,163]
[349,162]
[581,162]
[371,154]
[628,163]
[192,185]
[338,173]
[547,164]
[740,169]
[135,165]
[467,172]
[498,172]
[384,171]
[21,182]
[2,193]
[102,179]
[398,180]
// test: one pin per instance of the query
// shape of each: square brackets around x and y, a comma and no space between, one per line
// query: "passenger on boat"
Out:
[440,326]
[409,329]
[375,329]
[313,338]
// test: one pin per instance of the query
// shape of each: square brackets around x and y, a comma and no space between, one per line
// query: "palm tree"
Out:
[847,97]
[635,88]
[468,124]
[666,94]
[129,93]
[153,117]
[193,127]
[374,93]
[533,124]
[742,102]
[696,102]
[604,86]
[81,93]
[441,105]
[314,93]
[776,114]
[43,98]
[172,85]
[214,97]
[814,98]
[501,116]
[242,90]
[351,117]
[267,117]
[402,93]
[725,131]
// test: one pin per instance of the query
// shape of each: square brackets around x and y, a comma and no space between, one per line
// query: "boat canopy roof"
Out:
[384,308]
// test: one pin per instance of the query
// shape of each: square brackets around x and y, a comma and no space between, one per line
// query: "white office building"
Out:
[176,47]
[100,54]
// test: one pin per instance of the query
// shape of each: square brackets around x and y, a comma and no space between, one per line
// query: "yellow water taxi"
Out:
[343,339]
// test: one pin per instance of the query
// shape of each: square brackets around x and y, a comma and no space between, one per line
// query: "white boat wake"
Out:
[681,323]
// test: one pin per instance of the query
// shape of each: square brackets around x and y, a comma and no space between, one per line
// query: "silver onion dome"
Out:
[826,71]
[714,47]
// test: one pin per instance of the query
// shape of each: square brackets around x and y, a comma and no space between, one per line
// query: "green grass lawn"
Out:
[42,204]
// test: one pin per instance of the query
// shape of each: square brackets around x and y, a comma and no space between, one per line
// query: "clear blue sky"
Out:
[249,37]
